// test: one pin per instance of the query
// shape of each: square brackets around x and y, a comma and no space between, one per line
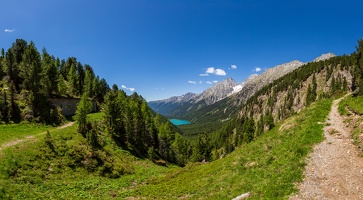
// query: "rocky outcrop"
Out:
[217,92]
[324,57]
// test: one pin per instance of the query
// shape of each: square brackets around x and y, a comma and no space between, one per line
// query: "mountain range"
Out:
[230,91]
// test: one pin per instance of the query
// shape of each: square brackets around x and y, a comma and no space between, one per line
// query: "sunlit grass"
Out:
[267,168]
[354,104]
[9,132]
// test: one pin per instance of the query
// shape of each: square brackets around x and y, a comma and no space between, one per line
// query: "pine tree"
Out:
[72,80]
[83,108]
[62,87]
[80,78]
[15,57]
[32,75]
[2,74]
[88,84]
[51,73]
[4,109]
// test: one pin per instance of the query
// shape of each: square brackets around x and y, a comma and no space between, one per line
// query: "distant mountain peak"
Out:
[217,92]
[239,87]
[324,57]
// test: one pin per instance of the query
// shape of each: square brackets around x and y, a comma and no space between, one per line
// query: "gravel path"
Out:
[15,142]
[334,170]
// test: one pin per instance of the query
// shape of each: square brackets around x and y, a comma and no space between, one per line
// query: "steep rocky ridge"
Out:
[223,109]
[289,95]
[173,105]
[324,57]
[217,92]
[239,87]
[265,78]
[179,105]
[228,108]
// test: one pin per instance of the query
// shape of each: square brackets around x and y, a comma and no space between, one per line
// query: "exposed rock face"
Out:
[239,87]
[217,92]
[272,74]
[324,57]
[265,78]
[173,104]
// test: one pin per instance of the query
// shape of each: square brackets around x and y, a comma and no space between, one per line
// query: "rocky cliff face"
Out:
[284,99]
[239,87]
[270,75]
[217,92]
[265,78]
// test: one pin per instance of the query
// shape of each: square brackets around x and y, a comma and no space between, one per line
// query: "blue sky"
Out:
[163,48]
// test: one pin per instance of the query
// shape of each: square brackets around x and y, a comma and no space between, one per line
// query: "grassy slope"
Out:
[355,104]
[40,176]
[10,132]
[267,167]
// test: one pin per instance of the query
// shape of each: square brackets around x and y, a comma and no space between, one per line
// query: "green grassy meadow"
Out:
[267,167]
[10,132]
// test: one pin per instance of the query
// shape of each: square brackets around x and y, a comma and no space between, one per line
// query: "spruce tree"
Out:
[83,108]
[32,75]
[72,80]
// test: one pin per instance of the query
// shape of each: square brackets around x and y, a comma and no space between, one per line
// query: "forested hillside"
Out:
[288,95]
[29,77]
[274,102]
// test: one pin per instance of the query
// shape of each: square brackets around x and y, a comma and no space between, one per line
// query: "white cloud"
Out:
[203,74]
[192,82]
[210,70]
[126,88]
[257,69]
[9,30]
[215,81]
[220,72]
[233,67]
[208,82]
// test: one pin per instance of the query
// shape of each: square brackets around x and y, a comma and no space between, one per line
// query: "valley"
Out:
[263,138]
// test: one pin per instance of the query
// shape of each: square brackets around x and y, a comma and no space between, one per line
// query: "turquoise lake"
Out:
[178,122]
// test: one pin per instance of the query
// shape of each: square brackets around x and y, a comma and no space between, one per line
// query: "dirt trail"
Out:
[15,142]
[334,170]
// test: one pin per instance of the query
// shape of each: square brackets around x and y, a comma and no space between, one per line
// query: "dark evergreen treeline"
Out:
[134,126]
[29,77]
